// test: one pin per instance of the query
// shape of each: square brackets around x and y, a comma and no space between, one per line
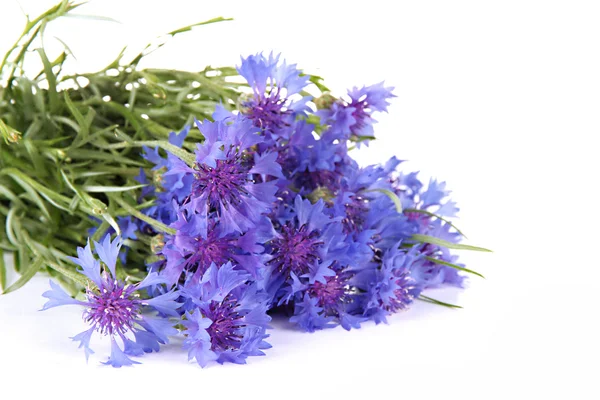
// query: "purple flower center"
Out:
[360,114]
[356,210]
[421,219]
[330,293]
[223,184]
[402,294]
[296,249]
[114,309]
[212,249]
[268,112]
[321,178]
[226,323]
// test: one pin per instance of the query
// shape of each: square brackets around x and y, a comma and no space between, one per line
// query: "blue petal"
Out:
[132,348]
[166,303]
[177,139]
[108,252]
[84,341]
[117,357]
[148,341]
[350,321]
[229,278]
[161,327]
[266,164]
[58,297]
[90,266]
[199,350]
[152,279]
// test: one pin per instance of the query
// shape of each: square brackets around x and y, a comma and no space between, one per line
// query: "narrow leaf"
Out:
[105,189]
[458,267]
[26,276]
[437,302]
[445,243]
[2,271]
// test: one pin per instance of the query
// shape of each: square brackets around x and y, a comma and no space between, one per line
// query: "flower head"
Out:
[307,242]
[226,320]
[271,107]
[389,286]
[200,241]
[353,119]
[229,177]
[114,308]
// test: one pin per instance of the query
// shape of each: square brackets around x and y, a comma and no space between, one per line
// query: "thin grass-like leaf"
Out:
[445,243]
[437,302]
[26,276]
[3,273]
[448,264]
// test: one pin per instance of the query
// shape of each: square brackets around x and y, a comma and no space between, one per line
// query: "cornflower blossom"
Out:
[114,308]
[225,318]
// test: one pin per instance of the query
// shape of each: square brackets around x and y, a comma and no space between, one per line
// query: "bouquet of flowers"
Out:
[201,203]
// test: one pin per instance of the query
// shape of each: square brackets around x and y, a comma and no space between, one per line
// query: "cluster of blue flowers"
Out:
[272,216]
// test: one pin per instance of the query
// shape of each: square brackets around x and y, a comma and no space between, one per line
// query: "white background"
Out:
[498,98]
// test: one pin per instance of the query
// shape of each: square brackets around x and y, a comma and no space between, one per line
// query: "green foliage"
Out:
[71,144]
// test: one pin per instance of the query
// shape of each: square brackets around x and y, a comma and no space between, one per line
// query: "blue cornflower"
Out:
[226,318]
[353,119]
[388,285]
[306,244]
[271,106]
[429,274]
[312,163]
[200,241]
[329,302]
[229,177]
[114,308]
[432,198]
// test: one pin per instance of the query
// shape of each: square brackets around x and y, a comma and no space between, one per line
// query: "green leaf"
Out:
[189,27]
[2,272]
[105,189]
[25,183]
[4,191]
[109,218]
[51,196]
[51,79]
[74,276]
[437,302]
[183,154]
[458,267]
[393,197]
[446,244]
[31,270]
[83,122]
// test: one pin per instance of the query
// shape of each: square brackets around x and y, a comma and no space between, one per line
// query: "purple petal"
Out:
[152,279]
[117,357]
[266,164]
[165,303]
[161,327]
[84,341]
[108,252]
[148,341]
[58,297]
[90,266]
